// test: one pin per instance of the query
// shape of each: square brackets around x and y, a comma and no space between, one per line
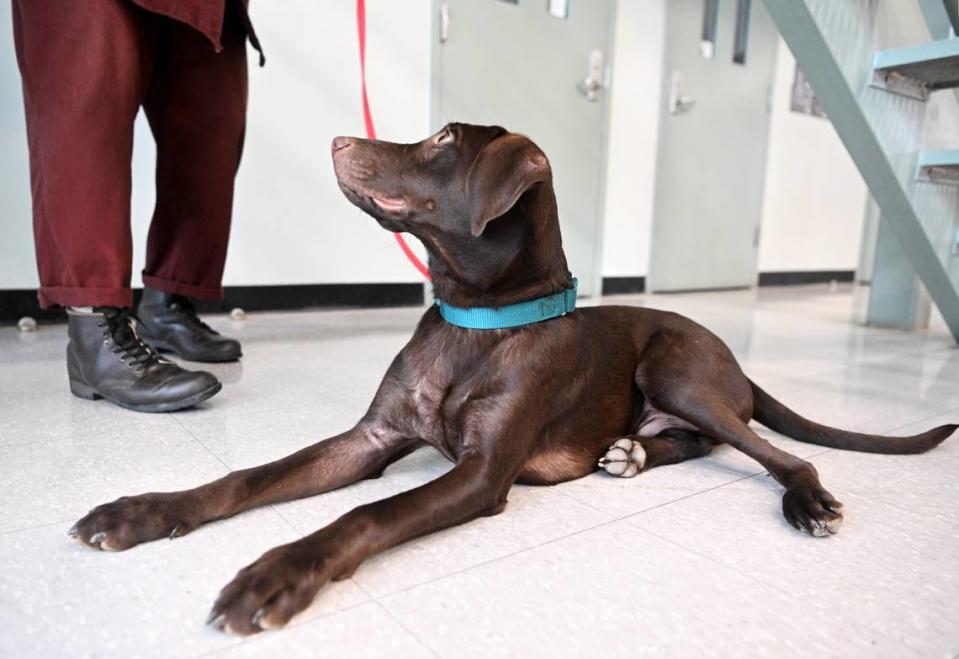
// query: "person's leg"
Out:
[196,105]
[83,67]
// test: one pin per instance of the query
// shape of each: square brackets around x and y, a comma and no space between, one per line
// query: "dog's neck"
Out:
[537,269]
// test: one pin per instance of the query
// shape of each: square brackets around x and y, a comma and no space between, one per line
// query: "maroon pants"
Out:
[87,69]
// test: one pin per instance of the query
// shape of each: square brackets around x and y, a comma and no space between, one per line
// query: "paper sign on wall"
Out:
[559,8]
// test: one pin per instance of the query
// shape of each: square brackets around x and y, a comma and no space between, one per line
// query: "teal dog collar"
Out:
[511,315]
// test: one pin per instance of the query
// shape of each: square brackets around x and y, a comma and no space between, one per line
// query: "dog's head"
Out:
[479,198]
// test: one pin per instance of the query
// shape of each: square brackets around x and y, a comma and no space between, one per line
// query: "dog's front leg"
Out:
[285,580]
[327,465]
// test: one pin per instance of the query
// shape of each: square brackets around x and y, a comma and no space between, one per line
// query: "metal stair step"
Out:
[939,166]
[917,70]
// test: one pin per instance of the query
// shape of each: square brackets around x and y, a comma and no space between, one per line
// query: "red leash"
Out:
[371,131]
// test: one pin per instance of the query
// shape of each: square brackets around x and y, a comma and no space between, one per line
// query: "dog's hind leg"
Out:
[629,455]
[806,504]
[689,374]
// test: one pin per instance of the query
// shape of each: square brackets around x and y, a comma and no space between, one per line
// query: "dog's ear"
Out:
[506,167]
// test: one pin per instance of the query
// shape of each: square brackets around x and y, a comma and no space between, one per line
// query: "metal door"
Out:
[536,67]
[711,158]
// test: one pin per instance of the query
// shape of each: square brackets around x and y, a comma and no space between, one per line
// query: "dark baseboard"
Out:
[316,296]
[795,278]
[618,285]
[15,304]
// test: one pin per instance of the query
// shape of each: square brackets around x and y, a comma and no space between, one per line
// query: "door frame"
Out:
[437,122]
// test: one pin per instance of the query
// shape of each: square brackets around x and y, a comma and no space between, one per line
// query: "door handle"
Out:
[678,102]
[593,83]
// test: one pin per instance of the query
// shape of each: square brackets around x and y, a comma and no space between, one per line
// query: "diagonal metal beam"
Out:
[952,9]
[812,52]
[936,15]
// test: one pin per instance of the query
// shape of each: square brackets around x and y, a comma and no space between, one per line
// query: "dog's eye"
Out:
[445,136]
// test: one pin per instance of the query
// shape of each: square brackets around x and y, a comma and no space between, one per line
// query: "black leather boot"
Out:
[106,359]
[169,322]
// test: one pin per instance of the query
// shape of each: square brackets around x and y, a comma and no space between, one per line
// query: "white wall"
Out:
[814,197]
[293,224]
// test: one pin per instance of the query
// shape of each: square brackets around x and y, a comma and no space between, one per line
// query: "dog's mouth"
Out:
[390,204]
[394,205]
[392,210]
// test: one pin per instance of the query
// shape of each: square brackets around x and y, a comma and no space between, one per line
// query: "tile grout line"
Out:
[771,586]
[399,622]
[266,634]
[734,568]
[925,418]
[369,600]
[688,496]
[230,469]
[544,543]
[200,442]
[38,526]
[574,533]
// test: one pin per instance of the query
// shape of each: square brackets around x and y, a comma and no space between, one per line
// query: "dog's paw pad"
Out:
[625,458]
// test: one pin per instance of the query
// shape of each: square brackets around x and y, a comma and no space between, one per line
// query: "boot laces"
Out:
[118,326]
[185,306]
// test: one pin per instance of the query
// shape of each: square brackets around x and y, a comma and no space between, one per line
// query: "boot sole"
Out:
[160,346]
[87,392]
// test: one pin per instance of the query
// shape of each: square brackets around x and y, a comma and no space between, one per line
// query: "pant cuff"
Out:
[179,288]
[66,296]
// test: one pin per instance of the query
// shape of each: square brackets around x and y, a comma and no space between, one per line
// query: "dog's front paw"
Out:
[128,521]
[625,458]
[272,589]
[813,509]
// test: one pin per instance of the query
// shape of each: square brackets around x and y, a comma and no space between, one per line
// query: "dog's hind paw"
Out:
[625,458]
[812,509]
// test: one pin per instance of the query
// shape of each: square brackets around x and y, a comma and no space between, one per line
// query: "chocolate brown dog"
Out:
[540,403]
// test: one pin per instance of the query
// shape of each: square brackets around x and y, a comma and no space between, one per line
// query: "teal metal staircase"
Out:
[877,101]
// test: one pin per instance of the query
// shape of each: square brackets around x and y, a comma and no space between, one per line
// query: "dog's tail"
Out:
[773,414]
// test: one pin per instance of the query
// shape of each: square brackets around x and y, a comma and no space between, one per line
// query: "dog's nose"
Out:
[340,143]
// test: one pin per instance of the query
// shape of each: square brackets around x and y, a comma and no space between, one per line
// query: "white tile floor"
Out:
[688,560]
